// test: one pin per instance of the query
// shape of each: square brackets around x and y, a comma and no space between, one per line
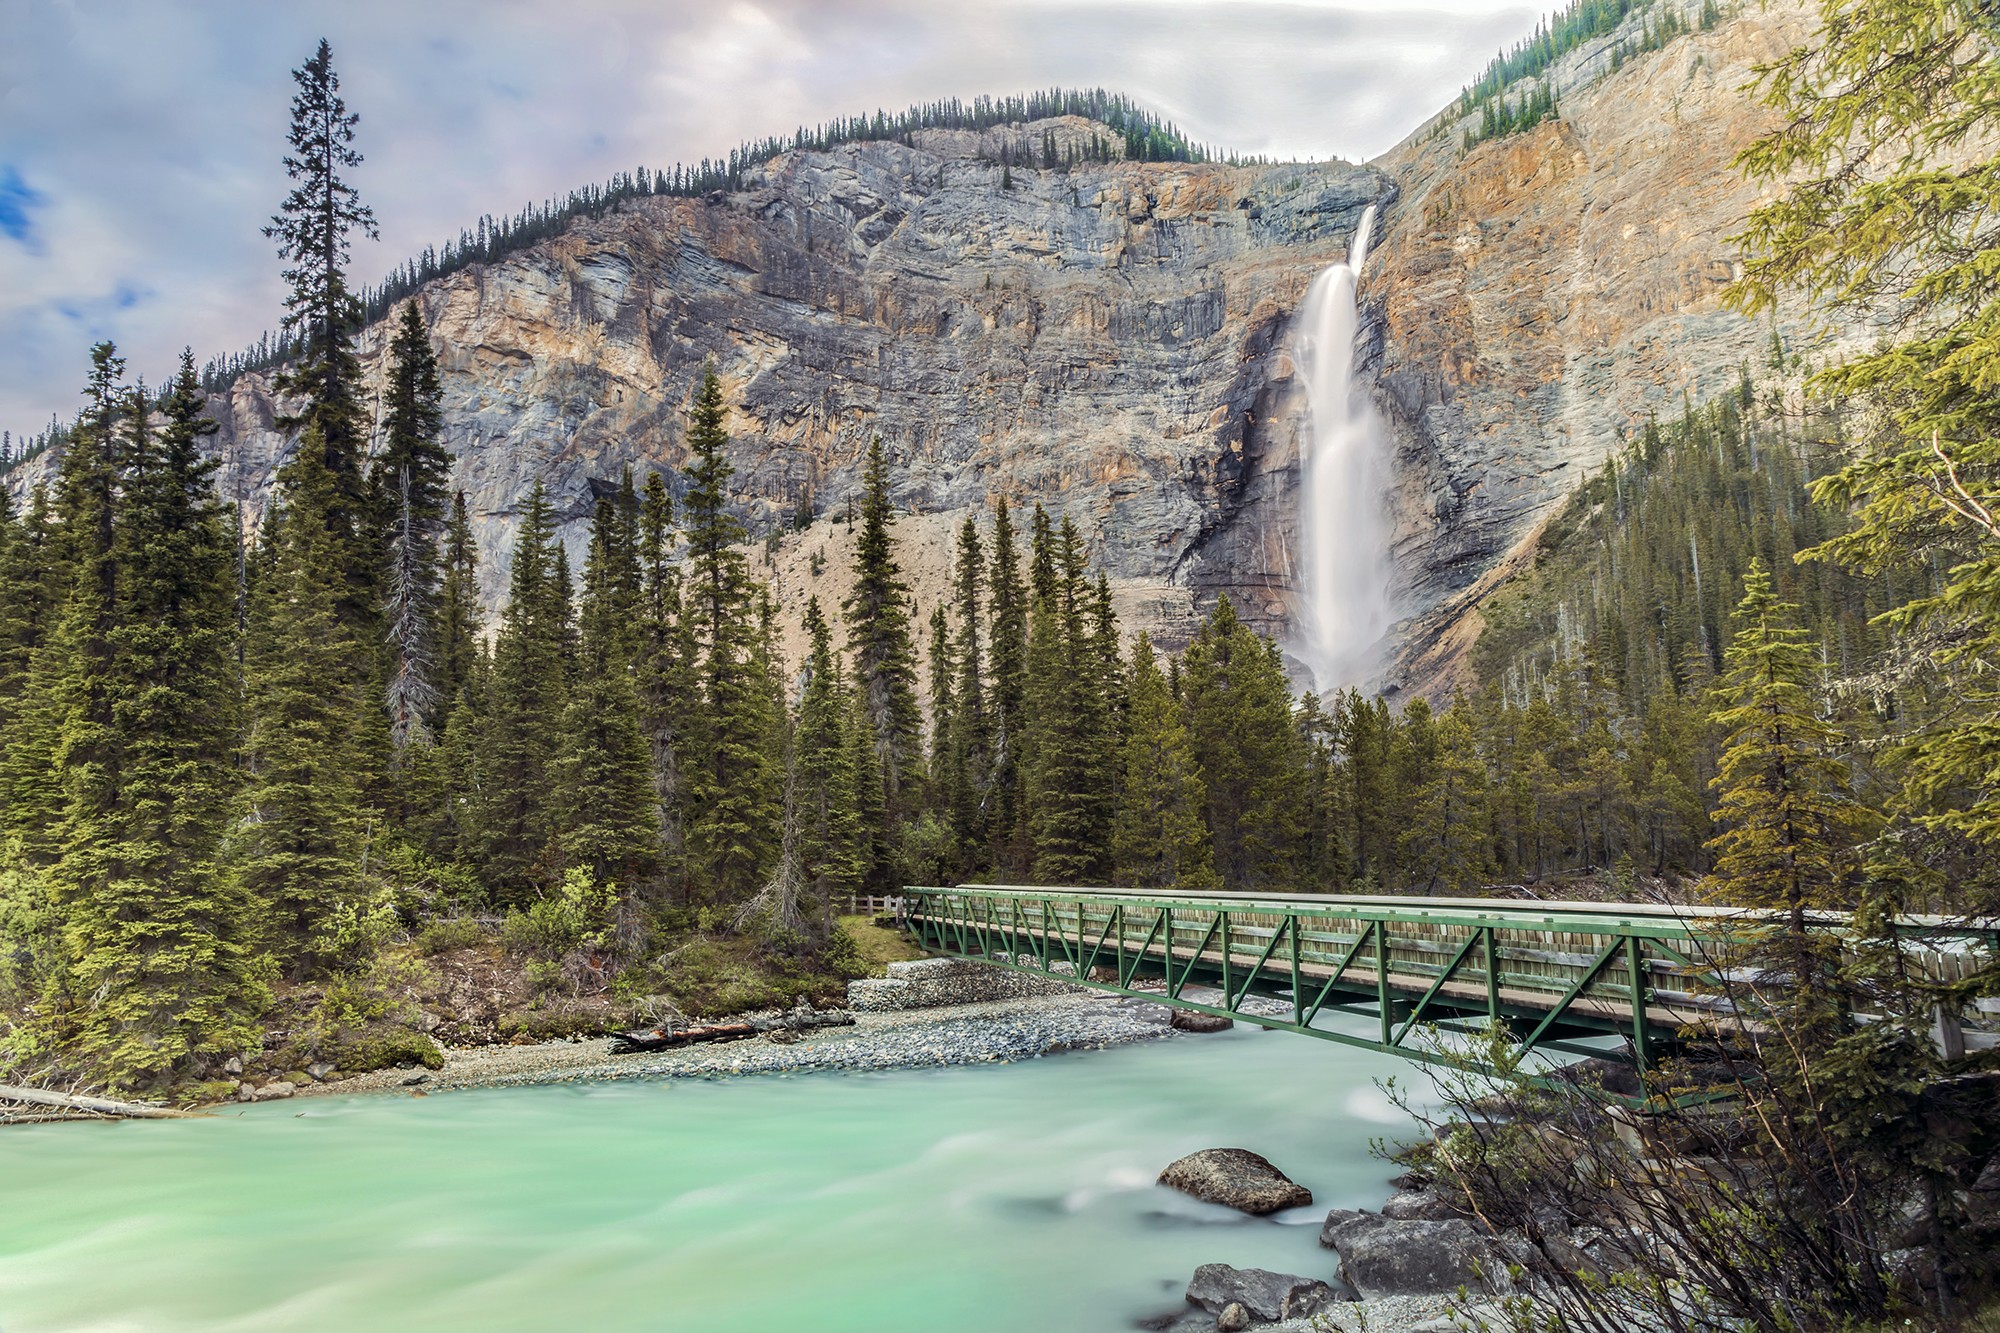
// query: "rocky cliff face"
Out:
[1535,299]
[1112,340]
[1102,340]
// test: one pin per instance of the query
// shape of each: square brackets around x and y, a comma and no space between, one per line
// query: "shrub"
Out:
[385,1048]
[448,933]
[576,914]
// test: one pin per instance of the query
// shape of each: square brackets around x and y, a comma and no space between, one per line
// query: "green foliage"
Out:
[1789,827]
[298,844]
[519,737]
[1239,718]
[450,933]
[576,914]
[733,783]
[1159,840]
[1888,114]
[878,624]
[322,316]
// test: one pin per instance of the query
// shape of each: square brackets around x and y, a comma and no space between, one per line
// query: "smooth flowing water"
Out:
[1343,533]
[994,1197]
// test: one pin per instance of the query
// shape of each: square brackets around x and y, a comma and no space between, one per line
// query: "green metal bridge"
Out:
[1619,981]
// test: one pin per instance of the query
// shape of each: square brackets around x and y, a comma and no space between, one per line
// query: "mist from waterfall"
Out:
[1343,531]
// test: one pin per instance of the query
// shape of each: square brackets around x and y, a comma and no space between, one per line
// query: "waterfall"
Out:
[1343,532]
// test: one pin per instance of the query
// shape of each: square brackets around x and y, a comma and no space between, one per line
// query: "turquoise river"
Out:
[996,1197]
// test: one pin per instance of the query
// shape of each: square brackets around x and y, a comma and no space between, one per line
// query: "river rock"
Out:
[1189,1020]
[272,1092]
[1384,1256]
[1233,1319]
[1236,1178]
[1419,1206]
[1218,1288]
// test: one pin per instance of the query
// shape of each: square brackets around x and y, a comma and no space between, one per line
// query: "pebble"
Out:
[992,1033]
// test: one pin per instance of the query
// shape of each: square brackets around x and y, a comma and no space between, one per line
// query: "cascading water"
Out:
[1343,533]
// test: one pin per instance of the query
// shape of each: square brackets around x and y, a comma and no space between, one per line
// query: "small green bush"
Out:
[574,915]
[448,933]
[386,1048]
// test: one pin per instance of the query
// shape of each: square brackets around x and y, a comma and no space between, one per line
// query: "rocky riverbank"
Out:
[984,1033]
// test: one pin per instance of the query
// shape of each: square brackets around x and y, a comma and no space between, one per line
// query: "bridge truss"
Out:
[1428,978]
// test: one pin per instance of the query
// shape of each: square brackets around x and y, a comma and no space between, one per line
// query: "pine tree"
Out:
[942,780]
[733,787]
[524,716]
[408,482]
[666,663]
[411,698]
[1009,603]
[458,619]
[1789,826]
[61,765]
[1238,708]
[1446,841]
[31,587]
[878,628]
[1159,840]
[971,757]
[823,788]
[322,314]
[610,819]
[413,420]
[162,936]
[298,844]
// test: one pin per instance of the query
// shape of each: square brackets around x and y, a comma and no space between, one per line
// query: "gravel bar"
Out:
[997,1032]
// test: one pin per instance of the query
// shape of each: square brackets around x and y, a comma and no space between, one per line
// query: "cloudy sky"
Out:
[140,139]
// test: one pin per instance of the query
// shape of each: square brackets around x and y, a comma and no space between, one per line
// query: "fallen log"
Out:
[669,1038]
[97,1105]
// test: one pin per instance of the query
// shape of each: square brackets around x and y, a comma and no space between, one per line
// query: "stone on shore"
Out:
[1190,1020]
[1419,1206]
[1218,1288]
[933,983]
[1236,1178]
[1386,1256]
[1233,1319]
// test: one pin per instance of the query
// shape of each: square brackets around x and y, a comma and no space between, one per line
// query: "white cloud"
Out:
[152,129]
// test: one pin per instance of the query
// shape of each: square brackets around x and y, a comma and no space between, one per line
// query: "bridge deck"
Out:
[1548,975]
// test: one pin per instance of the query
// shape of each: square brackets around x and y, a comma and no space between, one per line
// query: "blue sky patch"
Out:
[17,197]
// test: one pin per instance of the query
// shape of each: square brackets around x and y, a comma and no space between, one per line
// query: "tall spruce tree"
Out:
[1009,604]
[164,938]
[408,483]
[299,842]
[610,823]
[1071,752]
[60,759]
[322,314]
[823,785]
[31,586]
[1238,706]
[878,629]
[667,682]
[524,716]
[1789,825]
[971,757]
[1159,840]
[734,789]
[458,626]
[940,675]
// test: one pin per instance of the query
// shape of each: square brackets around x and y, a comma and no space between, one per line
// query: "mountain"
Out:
[1111,339]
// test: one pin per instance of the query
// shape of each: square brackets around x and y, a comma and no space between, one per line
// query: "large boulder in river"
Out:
[1384,1256]
[1193,1020]
[1236,1178]
[1267,1296]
